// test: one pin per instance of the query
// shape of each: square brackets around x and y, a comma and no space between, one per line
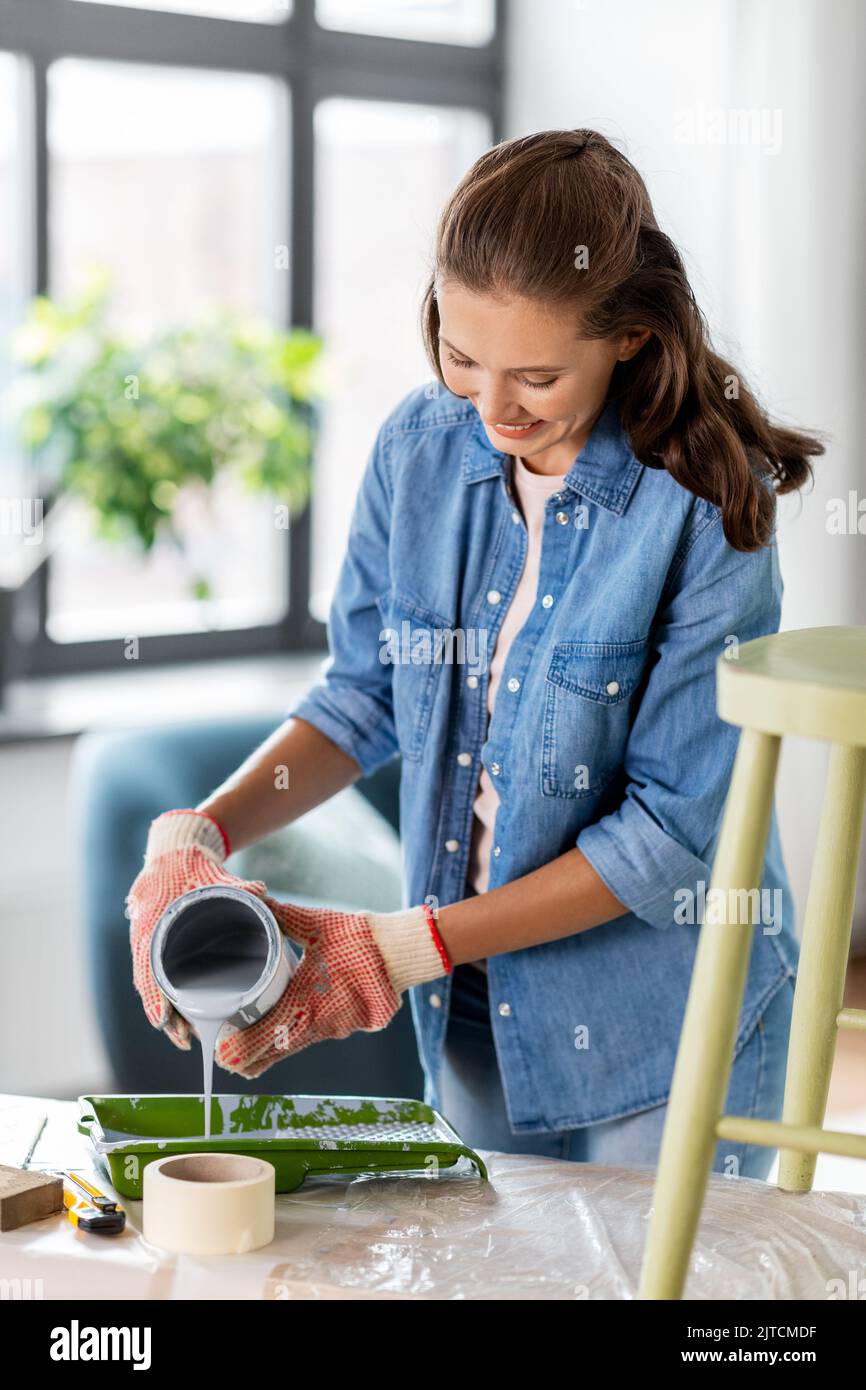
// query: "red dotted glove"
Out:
[350,979]
[185,849]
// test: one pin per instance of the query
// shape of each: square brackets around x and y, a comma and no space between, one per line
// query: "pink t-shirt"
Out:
[532,490]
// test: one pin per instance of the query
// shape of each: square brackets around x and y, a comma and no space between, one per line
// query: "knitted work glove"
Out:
[185,849]
[354,969]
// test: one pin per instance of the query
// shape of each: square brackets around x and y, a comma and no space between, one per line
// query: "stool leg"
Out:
[826,940]
[705,1054]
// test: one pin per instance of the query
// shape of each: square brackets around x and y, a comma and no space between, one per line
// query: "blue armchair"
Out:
[344,853]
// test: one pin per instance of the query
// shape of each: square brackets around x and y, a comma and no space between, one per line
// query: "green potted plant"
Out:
[127,425]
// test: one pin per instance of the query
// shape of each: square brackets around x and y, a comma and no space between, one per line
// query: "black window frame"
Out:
[315,63]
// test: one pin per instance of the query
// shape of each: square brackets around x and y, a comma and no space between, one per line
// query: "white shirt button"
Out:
[562,518]
[493,596]
[547,601]
[464,759]
[513,684]
[495,769]
[472,682]
[452,845]
[496,851]
[505,1010]
[435,1001]
[515,516]
[613,687]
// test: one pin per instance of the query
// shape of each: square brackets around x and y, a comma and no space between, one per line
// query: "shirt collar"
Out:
[606,471]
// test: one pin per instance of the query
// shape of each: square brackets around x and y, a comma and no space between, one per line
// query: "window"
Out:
[181,194]
[266,11]
[442,21]
[181,197]
[183,163]
[15,266]
[18,515]
[395,165]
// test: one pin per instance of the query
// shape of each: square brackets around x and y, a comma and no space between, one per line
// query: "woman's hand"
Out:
[185,849]
[350,979]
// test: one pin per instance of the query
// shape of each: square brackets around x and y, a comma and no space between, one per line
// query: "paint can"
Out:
[221,942]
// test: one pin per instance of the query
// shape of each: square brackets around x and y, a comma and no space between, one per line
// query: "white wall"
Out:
[773,233]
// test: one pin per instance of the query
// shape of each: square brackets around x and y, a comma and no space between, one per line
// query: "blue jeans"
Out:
[472,1099]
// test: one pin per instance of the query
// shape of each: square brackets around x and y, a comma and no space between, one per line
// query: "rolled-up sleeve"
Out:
[680,754]
[352,702]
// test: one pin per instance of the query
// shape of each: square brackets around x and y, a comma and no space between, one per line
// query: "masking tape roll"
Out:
[209,1203]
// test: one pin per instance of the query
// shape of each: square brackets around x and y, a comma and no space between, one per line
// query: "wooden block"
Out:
[26,1196]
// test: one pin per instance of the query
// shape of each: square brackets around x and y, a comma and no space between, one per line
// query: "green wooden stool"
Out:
[810,683]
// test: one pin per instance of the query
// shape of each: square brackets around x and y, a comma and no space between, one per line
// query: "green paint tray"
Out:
[322,1135]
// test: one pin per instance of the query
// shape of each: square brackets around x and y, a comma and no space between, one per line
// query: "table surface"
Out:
[540,1229]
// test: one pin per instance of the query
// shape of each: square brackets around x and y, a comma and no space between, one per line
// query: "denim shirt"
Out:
[604,735]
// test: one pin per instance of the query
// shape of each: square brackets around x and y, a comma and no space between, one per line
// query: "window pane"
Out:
[439,21]
[267,11]
[383,171]
[181,196]
[19,516]
[15,264]
[97,590]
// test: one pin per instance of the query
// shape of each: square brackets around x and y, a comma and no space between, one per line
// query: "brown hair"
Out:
[513,225]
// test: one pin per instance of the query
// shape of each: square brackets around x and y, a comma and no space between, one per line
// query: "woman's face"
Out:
[521,363]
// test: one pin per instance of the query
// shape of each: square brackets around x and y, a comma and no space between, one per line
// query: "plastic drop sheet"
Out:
[540,1229]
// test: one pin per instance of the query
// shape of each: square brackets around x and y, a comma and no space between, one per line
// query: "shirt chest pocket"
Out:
[417,641]
[588,705]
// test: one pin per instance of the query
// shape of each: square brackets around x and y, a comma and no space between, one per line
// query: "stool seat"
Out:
[810,682]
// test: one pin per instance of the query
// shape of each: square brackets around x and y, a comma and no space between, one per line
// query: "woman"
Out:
[551,547]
